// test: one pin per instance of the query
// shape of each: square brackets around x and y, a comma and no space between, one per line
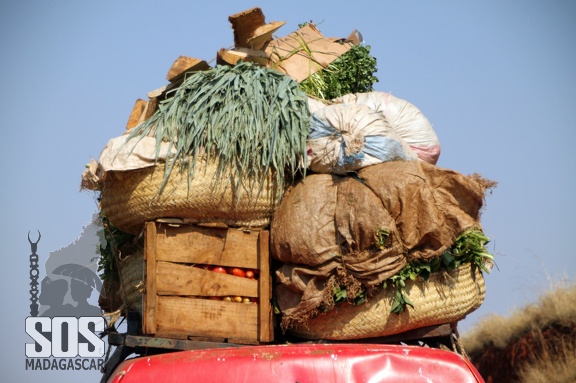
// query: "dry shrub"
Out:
[557,365]
[552,307]
[535,344]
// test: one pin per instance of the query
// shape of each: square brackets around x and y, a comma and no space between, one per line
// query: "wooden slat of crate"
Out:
[150,295]
[206,245]
[265,314]
[186,280]
[209,318]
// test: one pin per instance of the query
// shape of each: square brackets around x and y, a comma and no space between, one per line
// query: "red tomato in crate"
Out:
[237,272]
[250,274]
[219,269]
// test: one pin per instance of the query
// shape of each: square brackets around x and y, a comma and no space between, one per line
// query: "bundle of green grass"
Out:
[249,119]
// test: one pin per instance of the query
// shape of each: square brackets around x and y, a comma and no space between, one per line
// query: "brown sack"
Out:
[324,231]
[432,205]
[325,227]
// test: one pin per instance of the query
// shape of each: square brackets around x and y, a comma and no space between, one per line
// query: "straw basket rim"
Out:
[445,298]
[131,198]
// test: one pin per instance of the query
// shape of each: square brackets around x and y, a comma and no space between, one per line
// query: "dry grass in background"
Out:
[533,345]
[558,365]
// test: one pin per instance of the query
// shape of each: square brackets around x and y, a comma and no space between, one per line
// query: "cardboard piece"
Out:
[304,52]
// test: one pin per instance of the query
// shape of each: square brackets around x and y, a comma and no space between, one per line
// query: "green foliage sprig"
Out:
[108,248]
[249,119]
[469,247]
[352,72]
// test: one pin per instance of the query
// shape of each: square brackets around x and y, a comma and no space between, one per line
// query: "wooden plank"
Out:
[183,65]
[149,110]
[245,23]
[240,244]
[263,34]
[228,57]
[265,328]
[137,111]
[156,93]
[232,57]
[171,344]
[254,55]
[207,245]
[204,317]
[422,333]
[187,280]
[150,300]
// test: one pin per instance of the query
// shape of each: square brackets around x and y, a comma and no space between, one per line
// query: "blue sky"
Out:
[496,79]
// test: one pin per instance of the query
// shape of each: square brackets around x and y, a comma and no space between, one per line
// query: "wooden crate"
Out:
[177,301]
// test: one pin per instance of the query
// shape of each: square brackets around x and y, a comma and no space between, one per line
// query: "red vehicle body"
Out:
[302,363]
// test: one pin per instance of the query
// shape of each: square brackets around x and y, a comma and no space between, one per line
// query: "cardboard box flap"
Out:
[304,52]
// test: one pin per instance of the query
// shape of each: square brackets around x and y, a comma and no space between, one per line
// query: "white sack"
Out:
[314,105]
[406,120]
[348,137]
[119,155]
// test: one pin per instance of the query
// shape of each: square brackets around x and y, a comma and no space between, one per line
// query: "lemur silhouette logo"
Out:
[62,323]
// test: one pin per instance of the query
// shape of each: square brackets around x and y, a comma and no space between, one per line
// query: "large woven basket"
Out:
[131,271]
[131,198]
[445,298]
[126,291]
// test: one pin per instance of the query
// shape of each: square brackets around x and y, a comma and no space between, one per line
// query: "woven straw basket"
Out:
[126,292]
[131,270]
[445,298]
[130,198]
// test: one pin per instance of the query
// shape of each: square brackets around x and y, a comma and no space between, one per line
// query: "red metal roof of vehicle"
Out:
[302,363]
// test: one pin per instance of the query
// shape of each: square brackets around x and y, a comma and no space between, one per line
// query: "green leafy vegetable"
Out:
[251,120]
[352,72]
[469,247]
[382,238]
[112,240]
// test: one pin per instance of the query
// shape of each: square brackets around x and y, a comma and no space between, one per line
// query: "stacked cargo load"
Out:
[279,191]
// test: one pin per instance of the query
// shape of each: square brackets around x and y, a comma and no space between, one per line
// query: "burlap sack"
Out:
[326,228]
